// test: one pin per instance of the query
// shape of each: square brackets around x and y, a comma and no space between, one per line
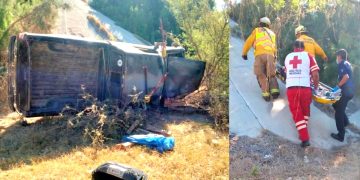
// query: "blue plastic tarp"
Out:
[154,141]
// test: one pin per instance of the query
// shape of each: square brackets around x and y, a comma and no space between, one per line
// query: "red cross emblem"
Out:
[295,62]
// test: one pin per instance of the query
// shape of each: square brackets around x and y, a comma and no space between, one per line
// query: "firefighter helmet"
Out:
[300,29]
[265,20]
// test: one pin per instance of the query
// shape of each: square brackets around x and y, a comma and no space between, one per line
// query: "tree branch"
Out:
[20,19]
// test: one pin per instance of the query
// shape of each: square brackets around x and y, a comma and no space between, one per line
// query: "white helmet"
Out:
[300,29]
[265,20]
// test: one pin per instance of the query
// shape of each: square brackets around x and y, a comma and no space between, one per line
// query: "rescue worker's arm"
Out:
[314,69]
[343,80]
[248,43]
[343,75]
[319,51]
[315,78]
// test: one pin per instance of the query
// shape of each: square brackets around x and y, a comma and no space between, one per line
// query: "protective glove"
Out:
[244,57]
[336,88]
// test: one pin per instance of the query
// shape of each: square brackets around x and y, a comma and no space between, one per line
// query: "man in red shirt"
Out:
[300,68]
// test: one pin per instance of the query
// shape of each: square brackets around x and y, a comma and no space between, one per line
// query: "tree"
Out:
[14,13]
[206,34]
[141,17]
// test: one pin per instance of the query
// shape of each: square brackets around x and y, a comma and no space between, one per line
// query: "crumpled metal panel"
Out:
[135,78]
[184,76]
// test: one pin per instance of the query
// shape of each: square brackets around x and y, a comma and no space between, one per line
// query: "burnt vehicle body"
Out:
[49,72]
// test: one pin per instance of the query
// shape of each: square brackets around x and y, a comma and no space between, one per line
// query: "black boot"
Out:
[275,95]
[337,137]
[24,123]
[305,144]
[266,98]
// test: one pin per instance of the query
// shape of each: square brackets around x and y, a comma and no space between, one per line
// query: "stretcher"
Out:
[323,95]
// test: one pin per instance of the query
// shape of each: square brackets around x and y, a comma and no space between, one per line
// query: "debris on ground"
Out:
[123,146]
[272,156]
[153,141]
[155,130]
[49,144]
[191,103]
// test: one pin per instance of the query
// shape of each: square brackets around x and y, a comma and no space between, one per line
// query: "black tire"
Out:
[10,72]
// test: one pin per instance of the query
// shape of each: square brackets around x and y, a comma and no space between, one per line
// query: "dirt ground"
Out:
[48,149]
[271,157]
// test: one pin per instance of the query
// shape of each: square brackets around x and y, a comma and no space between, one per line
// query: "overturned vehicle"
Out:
[48,72]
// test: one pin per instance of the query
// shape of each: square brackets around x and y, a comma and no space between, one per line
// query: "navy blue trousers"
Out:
[340,116]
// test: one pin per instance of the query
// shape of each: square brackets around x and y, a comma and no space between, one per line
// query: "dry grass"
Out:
[200,153]
[3,94]
[3,84]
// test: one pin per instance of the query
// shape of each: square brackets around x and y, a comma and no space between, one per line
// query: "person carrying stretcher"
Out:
[300,68]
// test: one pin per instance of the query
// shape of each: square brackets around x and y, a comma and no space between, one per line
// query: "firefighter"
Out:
[347,92]
[263,40]
[300,66]
[311,46]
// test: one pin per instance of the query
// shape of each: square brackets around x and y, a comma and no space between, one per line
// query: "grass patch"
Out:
[200,152]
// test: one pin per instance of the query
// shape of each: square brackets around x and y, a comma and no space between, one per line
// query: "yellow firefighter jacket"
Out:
[261,41]
[312,47]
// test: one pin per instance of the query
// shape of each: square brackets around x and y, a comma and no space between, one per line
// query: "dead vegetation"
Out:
[97,124]
[3,85]
[271,157]
[50,146]
[101,27]
[83,140]
[71,145]
[105,121]
[3,95]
